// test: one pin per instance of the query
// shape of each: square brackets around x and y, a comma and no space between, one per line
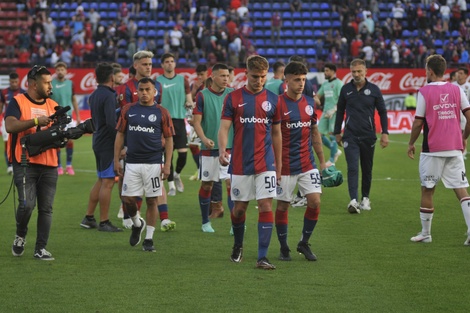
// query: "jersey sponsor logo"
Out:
[299,124]
[287,113]
[254,120]
[266,105]
[348,93]
[242,105]
[132,115]
[152,117]
[444,106]
[141,129]
[309,110]
[135,93]
[59,85]
[168,85]
[444,97]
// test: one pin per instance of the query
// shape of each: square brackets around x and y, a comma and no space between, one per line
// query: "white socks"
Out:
[426,221]
[150,231]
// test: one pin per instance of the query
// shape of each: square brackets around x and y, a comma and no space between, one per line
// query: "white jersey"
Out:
[466,89]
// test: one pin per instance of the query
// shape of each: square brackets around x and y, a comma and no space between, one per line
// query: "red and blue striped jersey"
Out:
[252,117]
[7,95]
[130,94]
[297,119]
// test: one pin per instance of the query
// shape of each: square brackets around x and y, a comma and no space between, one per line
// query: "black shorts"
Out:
[105,164]
[180,139]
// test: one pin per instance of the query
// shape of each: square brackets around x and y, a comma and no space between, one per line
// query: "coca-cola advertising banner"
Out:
[390,81]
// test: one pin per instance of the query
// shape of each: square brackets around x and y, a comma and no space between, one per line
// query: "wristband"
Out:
[36,122]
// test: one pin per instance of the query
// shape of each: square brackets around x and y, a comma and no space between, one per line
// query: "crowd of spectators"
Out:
[403,37]
[221,31]
[211,30]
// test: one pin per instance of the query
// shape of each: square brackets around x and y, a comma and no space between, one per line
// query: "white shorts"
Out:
[211,170]
[309,182]
[450,169]
[142,178]
[4,131]
[249,187]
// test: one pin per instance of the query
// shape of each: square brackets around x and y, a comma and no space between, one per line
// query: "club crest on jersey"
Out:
[121,97]
[236,191]
[367,92]
[152,117]
[267,106]
[309,110]
[279,190]
[205,173]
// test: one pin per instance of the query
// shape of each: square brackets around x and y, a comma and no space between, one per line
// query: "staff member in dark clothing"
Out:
[359,99]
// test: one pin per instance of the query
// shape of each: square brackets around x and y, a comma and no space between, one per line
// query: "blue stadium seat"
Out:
[113,6]
[267,15]
[103,15]
[300,43]
[65,6]
[102,6]
[276,6]
[281,52]
[298,33]
[317,24]
[257,6]
[112,15]
[267,24]
[152,24]
[258,24]
[326,24]
[315,6]
[455,33]
[182,61]
[308,24]
[270,52]
[440,51]
[86,6]
[406,33]
[438,43]
[325,6]
[318,33]
[286,15]
[316,15]
[308,43]
[160,33]
[261,51]
[296,15]
[301,51]
[308,33]
[257,15]
[325,15]
[53,15]
[286,24]
[64,15]
[311,52]
[285,6]
[298,24]
[290,51]
[142,24]
[289,42]
[73,6]
[258,33]
[287,33]
[336,24]
[151,34]
[141,33]
[266,6]
[259,42]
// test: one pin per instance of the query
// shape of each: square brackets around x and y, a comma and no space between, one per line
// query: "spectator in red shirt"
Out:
[23,57]
[124,12]
[9,39]
[77,52]
[356,46]
[276,23]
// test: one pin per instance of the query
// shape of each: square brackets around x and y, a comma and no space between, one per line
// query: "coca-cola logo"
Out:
[88,82]
[239,80]
[382,80]
[408,81]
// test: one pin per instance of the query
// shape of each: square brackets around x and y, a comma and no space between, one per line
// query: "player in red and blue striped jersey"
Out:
[255,161]
[6,95]
[299,133]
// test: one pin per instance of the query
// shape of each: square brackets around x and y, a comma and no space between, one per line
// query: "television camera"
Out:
[57,135]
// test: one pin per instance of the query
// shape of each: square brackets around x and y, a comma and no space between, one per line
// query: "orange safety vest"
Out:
[30,110]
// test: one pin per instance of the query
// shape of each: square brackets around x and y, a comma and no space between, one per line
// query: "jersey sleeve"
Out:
[420,106]
[199,108]
[167,123]
[13,109]
[158,97]
[187,88]
[122,122]
[227,110]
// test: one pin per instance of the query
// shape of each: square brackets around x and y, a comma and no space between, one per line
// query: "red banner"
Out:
[390,81]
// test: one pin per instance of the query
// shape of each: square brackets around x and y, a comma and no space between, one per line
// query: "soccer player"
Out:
[64,95]
[461,81]
[143,124]
[359,99]
[6,95]
[299,134]
[438,113]
[177,99]
[103,107]
[143,67]
[274,84]
[194,142]
[329,90]
[206,121]
[255,162]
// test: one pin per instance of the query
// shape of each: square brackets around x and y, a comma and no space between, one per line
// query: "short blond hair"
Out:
[143,54]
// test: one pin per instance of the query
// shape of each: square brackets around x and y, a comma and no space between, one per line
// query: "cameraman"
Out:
[25,114]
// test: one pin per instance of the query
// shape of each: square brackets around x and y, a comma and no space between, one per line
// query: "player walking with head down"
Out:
[206,121]
[299,132]
[144,123]
[256,155]
[438,114]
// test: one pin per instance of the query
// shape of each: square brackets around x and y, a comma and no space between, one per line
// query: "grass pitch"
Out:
[366,262]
